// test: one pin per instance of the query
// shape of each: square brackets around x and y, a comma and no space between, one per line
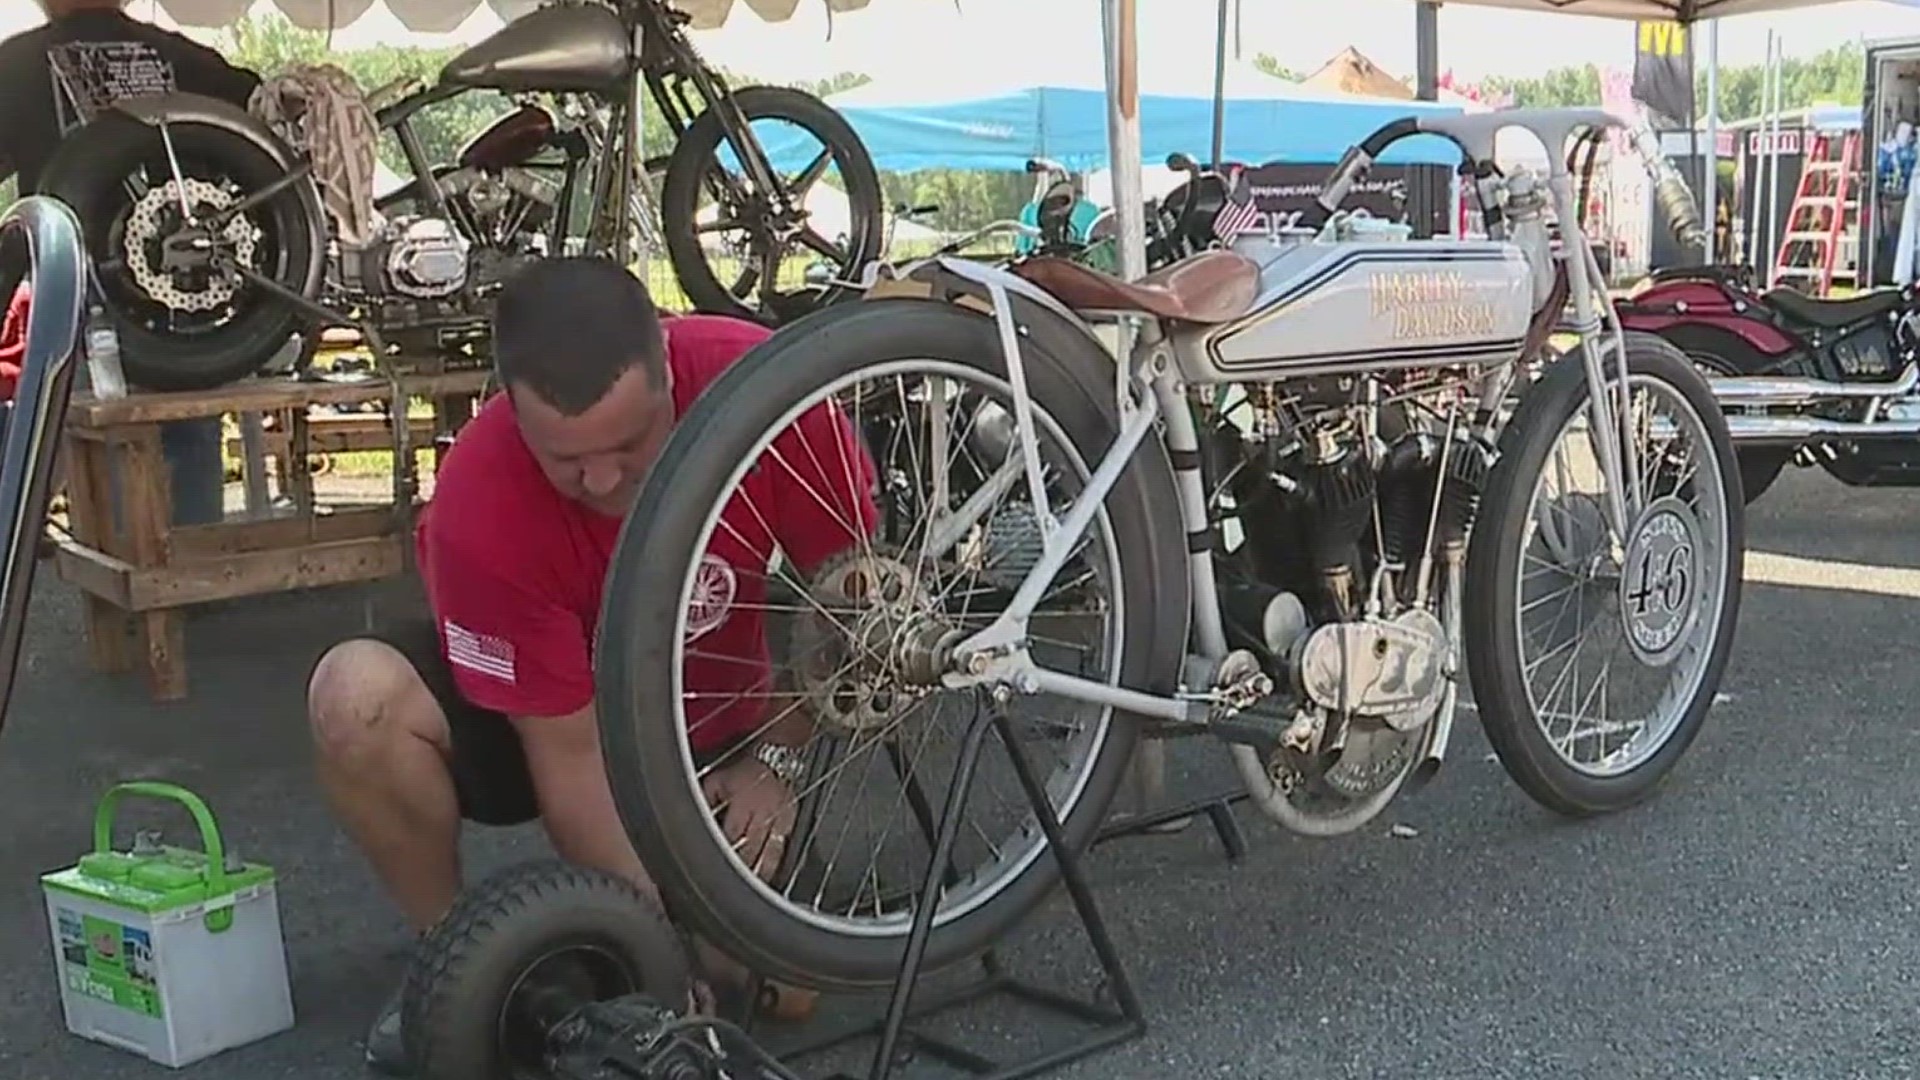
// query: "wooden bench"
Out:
[139,572]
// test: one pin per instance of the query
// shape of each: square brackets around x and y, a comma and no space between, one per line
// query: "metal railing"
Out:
[29,438]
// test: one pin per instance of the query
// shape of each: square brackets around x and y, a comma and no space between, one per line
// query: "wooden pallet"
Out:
[139,573]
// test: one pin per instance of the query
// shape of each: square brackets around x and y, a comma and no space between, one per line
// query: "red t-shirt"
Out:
[514,570]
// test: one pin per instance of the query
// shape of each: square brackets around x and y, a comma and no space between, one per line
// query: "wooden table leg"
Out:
[147,498]
[90,517]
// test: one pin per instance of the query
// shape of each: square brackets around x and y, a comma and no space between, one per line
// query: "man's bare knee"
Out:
[364,694]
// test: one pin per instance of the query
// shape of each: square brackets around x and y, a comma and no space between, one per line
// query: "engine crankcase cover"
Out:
[427,259]
[1374,306]
[1392,670]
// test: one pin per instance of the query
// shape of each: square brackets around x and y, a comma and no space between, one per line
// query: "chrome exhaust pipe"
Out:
[1752,430]
[1761,390]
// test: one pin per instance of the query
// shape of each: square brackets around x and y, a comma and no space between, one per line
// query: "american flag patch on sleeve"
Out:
[481,653]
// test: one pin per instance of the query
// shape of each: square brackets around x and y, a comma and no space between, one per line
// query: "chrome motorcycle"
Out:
[213,247]
[1296,516]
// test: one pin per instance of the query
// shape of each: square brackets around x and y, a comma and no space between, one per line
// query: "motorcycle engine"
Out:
[1334,501]
[425,258]
[428,276]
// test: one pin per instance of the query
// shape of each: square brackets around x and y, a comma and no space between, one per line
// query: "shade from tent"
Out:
[987,124]
[442,16]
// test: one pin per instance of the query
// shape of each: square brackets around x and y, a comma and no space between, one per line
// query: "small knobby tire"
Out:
[1492,627]
[466,968]
[644,747]
[87,173]
[697,151]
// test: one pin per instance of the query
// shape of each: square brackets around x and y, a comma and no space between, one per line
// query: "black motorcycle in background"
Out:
[212,246]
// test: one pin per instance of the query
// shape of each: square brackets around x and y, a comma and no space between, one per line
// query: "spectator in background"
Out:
[135,58]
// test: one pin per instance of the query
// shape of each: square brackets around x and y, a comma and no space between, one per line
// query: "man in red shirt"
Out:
[485,712]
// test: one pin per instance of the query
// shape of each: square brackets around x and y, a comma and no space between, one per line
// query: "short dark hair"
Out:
[567,329]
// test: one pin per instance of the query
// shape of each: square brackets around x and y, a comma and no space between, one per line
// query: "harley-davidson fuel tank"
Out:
[1369,306]
[568,48]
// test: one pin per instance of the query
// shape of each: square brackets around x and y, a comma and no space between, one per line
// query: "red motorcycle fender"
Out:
[1705,305]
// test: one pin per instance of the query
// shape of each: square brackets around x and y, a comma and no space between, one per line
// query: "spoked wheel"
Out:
[521,952]
[1595,656]
[852,564]
[742,251]
[157,214]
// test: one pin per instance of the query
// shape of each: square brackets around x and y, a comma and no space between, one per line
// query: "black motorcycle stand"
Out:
[900,1038]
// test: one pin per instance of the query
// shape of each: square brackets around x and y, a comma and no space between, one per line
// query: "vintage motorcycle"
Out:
[1827,382]
[212,245]
[1294,518]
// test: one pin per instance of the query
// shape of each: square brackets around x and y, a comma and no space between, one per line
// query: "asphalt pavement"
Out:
[1754,921]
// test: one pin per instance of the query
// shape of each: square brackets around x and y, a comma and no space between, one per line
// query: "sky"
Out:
[1020,34]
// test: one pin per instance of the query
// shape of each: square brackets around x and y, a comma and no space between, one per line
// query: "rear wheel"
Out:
[184,323]
[1594,656]
[853,686]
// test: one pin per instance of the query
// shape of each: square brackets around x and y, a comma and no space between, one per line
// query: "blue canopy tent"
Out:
[928,122]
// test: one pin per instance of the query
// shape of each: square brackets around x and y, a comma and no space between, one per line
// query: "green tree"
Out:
[1837,76]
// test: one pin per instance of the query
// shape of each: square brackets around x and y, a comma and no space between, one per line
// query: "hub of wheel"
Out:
[171,258]
[872,642]
[1658,582]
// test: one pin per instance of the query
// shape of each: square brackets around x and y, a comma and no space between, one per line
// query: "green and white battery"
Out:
[173,954]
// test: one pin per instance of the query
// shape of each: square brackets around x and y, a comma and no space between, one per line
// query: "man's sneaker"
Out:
[386,1049]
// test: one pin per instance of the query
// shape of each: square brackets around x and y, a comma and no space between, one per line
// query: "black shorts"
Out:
[489,765]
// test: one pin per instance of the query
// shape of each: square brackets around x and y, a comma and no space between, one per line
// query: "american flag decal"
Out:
[1239,214]
[482,653]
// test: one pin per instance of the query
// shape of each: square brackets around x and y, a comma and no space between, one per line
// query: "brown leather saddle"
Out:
[1207,289]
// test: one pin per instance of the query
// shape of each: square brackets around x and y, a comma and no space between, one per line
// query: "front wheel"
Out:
[829,516]
[1594,656]
[753,231]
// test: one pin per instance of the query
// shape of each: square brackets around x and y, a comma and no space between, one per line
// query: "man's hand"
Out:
[756,810]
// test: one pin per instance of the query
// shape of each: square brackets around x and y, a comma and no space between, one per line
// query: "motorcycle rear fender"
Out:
[1038,315]
[185,108]
[1708,303]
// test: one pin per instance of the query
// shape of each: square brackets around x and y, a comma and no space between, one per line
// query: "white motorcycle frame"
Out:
[1148,389]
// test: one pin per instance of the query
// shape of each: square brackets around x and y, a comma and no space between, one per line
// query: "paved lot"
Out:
[1755,921]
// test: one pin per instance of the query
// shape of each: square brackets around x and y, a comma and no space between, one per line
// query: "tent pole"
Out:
[1426,50]
[1123,135]
[1220,88]
[1776,53]
[1710,186]
[1147,775]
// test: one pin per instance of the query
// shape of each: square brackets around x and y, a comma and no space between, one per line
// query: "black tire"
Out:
[1491,630]
[465,971]
[88,173]
[639,624]
[697,151]
[1727,356]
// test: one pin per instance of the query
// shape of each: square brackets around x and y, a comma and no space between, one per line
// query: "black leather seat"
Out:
[1832,314]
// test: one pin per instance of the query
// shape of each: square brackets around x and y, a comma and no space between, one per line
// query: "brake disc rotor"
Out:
[155,217]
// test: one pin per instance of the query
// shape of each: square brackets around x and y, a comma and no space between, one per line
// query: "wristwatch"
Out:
[786,762]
